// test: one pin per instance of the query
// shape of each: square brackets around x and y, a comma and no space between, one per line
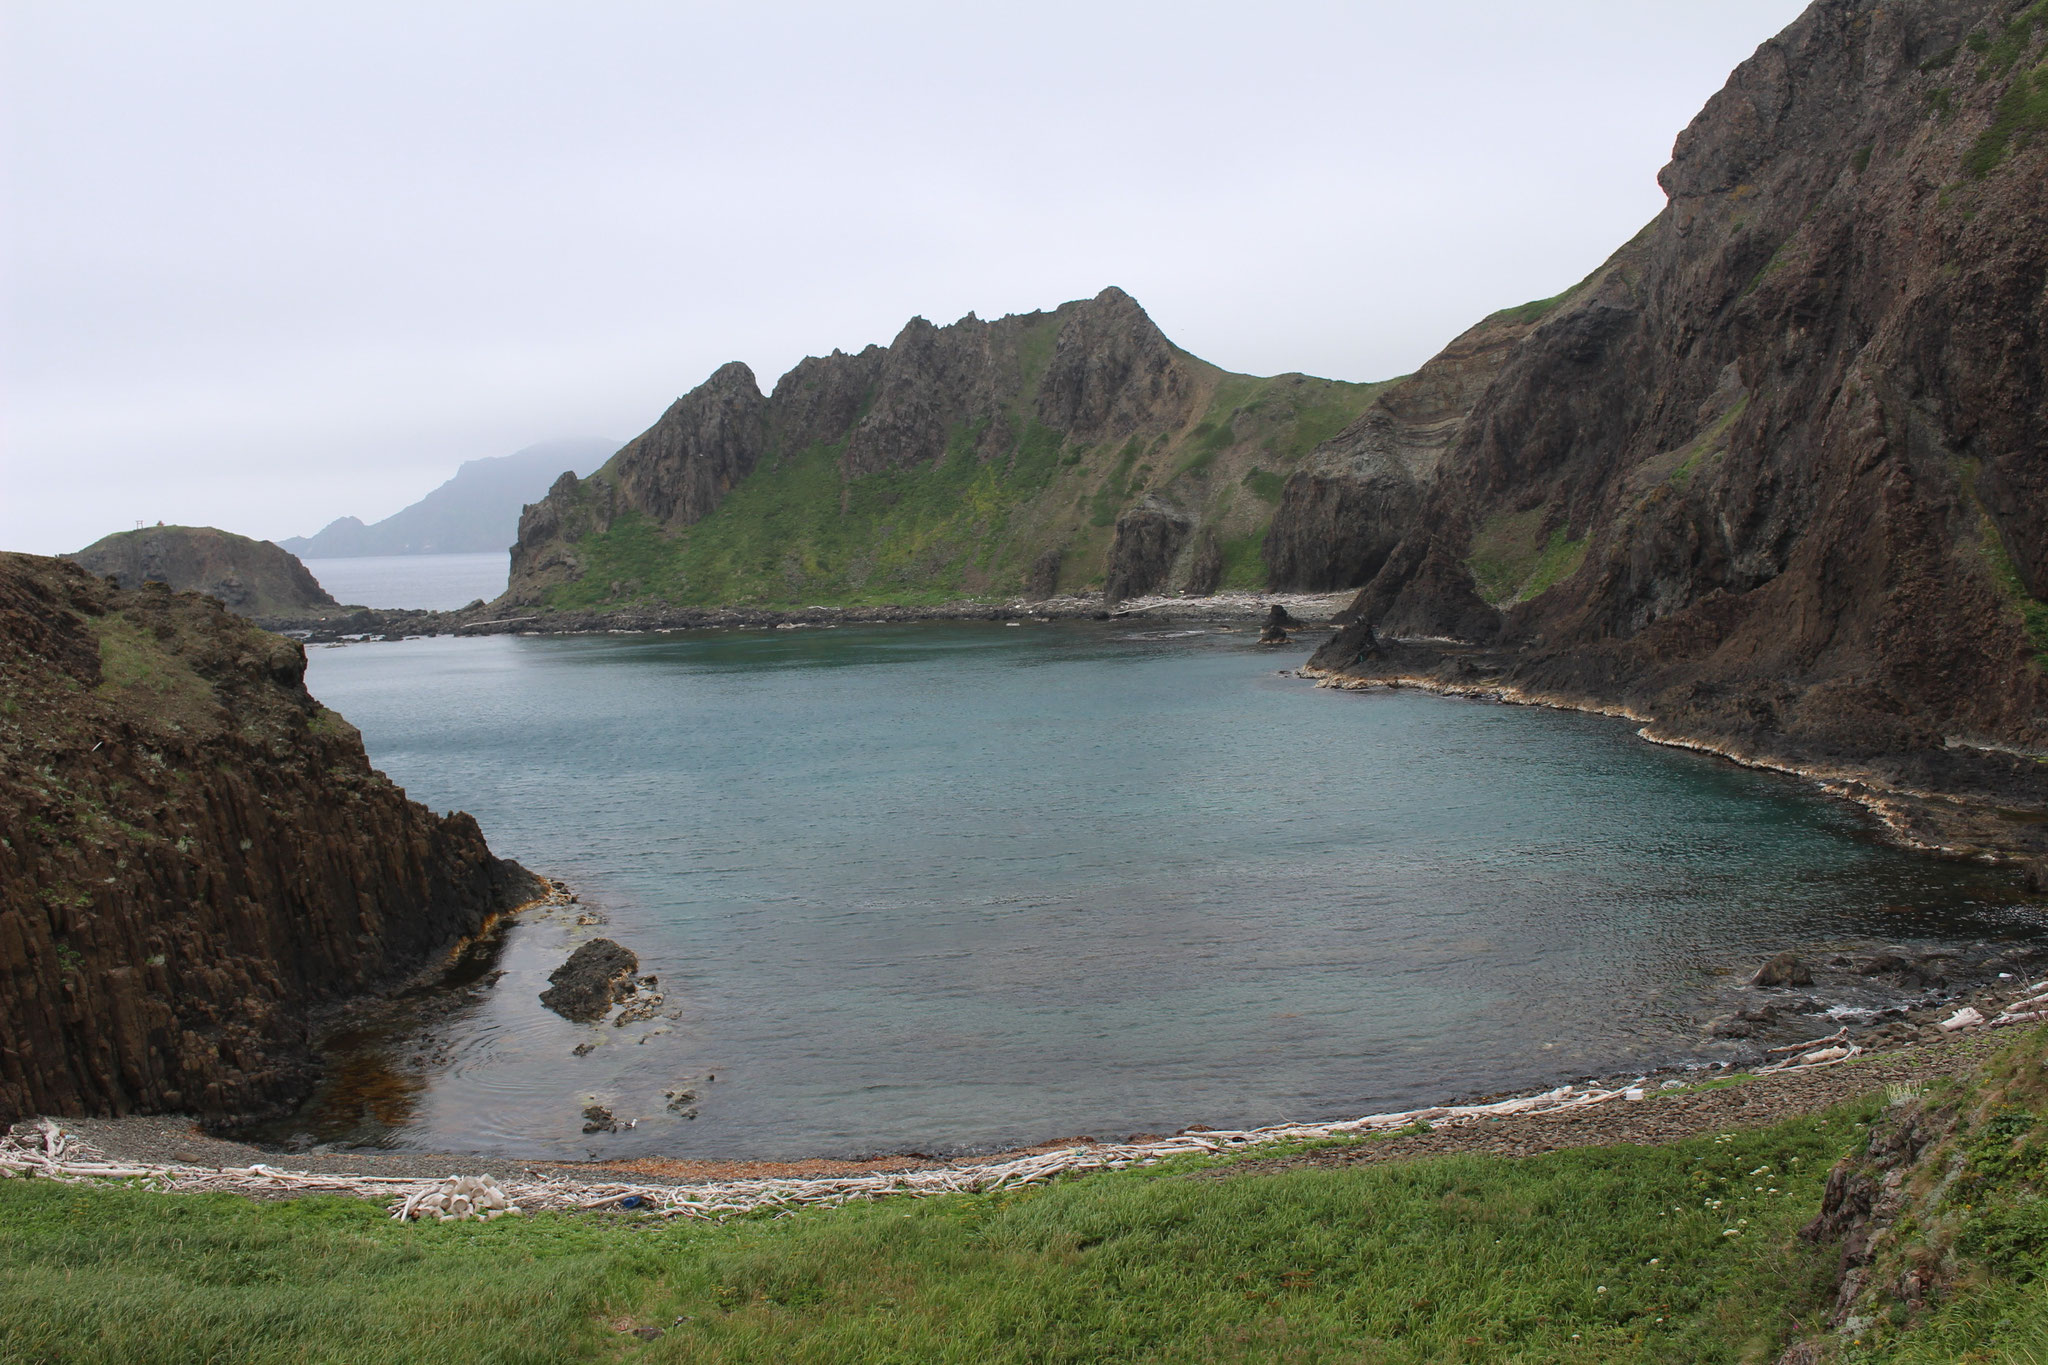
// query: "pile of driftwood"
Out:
[46,1151]
[2029,1007]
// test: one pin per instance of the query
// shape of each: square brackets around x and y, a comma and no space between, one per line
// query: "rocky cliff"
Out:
[253,577]
[1776,476]
[1045,452]
[194,855]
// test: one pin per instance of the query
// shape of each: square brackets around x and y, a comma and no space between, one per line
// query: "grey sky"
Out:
[267,264]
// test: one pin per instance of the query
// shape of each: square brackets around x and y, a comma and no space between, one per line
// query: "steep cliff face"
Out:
[1039,452]
[1778,473]
[194,855]
[1359,493]
[253,577]
[683,466]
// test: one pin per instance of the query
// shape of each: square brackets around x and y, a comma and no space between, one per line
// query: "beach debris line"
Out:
[458,1199]
[46,1151]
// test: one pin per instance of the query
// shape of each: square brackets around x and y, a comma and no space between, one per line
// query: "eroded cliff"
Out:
[1042,453]
[194,856]
[1776,477]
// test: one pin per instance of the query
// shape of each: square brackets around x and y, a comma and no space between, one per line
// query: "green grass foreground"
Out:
[1602,1254]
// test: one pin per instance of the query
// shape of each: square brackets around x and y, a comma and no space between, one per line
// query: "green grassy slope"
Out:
[796,533]
[1598,1255]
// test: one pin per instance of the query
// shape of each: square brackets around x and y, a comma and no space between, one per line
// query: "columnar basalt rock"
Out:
[195,857]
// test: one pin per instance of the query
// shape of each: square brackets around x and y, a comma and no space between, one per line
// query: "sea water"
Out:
[413,582]
[946,887]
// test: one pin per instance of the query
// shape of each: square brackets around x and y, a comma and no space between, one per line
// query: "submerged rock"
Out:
[596,975]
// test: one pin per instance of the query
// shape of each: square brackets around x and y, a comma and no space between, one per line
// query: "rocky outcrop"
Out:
[1148,539]
[594,978]
[195,856]
[252,577]
[1114,374]
[682,467]
[1775,476]
[1359,493]
[1059,423]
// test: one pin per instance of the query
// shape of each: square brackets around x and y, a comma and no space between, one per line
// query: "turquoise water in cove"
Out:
[943,887]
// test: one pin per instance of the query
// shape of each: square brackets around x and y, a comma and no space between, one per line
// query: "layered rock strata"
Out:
[195,856]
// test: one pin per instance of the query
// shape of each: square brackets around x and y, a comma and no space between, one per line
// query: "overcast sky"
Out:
[267,264]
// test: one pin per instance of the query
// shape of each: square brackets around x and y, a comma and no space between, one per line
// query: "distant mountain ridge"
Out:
[475,512]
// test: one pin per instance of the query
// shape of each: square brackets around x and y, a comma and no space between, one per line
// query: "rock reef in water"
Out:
[251,577]
[195,856]
[596,976]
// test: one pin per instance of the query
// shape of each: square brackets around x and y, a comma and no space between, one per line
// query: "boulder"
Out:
[595,976]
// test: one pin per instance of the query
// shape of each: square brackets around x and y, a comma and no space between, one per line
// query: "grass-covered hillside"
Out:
[976,460]
[1686,1252]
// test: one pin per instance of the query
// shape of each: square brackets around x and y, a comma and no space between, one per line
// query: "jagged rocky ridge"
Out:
[1775,476]
[1040,453]
[194,856]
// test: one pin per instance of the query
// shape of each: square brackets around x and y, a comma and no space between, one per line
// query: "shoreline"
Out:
[1636,1111]
[1315,609]
[181,1141]
[1934,823]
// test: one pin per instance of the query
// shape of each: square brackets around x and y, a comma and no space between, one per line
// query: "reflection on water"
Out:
[945,887]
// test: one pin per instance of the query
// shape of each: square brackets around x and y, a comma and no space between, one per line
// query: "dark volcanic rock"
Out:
[195,856]
[1140,558]
[1359,493]
[1044,578]
[252,577]
[1776,476]
[596,975]
[1205,568]
[682,467]
[1274,631]
[1112,372]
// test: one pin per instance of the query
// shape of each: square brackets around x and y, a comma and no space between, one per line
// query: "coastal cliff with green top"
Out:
[1065,452]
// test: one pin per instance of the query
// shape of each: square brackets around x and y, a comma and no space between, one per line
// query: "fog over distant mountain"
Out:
[474,512]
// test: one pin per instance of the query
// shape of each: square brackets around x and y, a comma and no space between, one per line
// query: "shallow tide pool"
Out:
[942,887]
